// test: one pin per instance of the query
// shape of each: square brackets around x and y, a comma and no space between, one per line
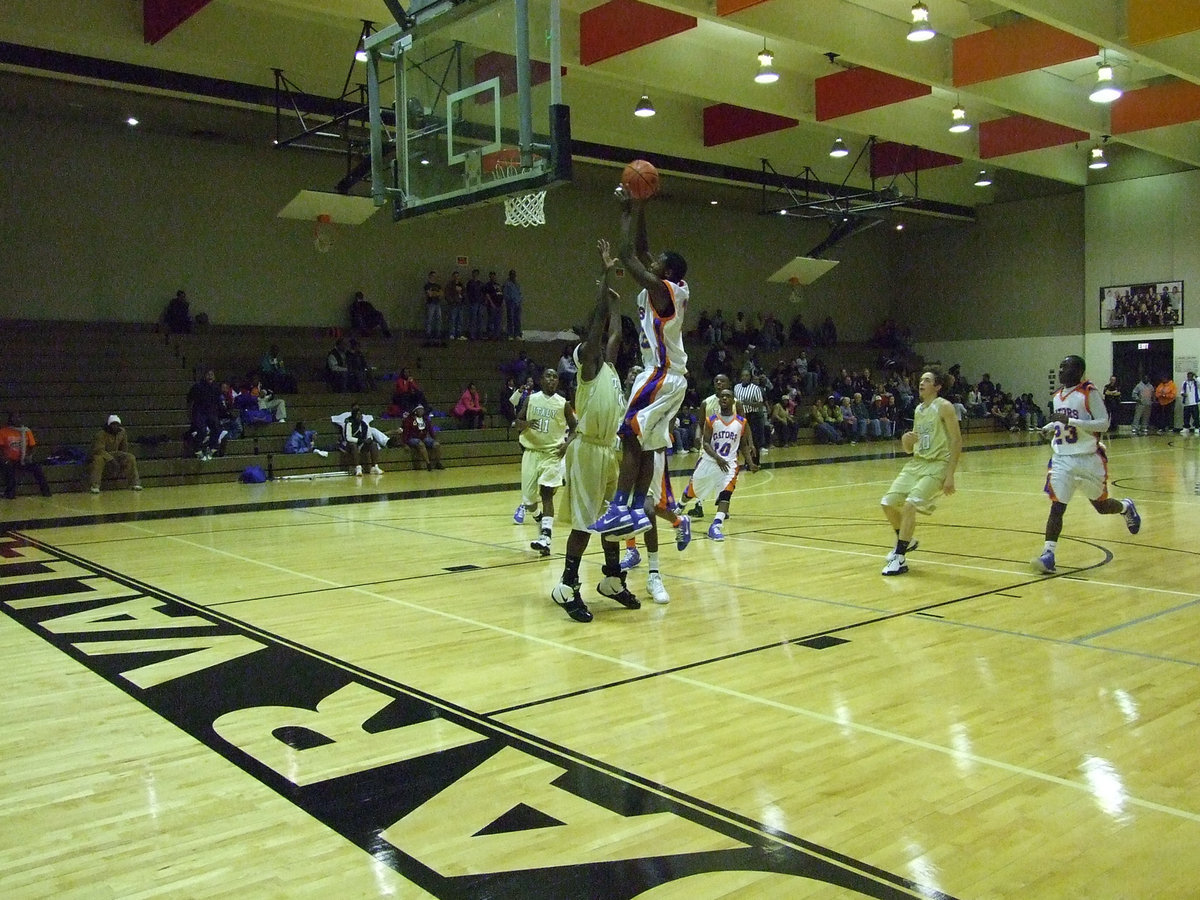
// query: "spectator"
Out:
[1112,401]
[231,416]
[365,318]
[267,400]
[417,433]
[719,361]
[783,420]
[456,304]
[1143,397]
[476,323]
[493,306]
[798,333]
[704,327]
[407,393]
[512,306]
[357,441]
[358,370]
[16,455]
[827,333]
[275,374]
[177,316]
[824,424]
[433,307]
[718,328]
[882,413]
[204,398]
[1163,412]
[469,408]
[337,373]
[1189,396]
[865,426]
[301,440]
[567,371]
[110,452]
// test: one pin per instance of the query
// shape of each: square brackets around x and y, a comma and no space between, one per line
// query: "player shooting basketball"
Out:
[658,391]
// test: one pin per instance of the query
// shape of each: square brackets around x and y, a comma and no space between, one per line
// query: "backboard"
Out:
[465,108]
[804,269]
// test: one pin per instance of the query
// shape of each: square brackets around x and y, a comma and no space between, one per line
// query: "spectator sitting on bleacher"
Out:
[825,431]
[274,372]
[406,395]
[358,442]
[358,377]
[231,416]
[204,398]
[267,400]
[883,414]
[469,408]
[16,455]
[111,449]
[337,373]
[417,433]
[301,441]
[365,318]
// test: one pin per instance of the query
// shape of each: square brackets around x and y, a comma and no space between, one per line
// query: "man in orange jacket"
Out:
[1165,393]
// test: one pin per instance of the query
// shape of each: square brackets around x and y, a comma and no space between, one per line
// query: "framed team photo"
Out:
[1157,304]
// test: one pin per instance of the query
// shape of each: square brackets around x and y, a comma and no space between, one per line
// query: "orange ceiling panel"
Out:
[1154,20]
[1023,47]
[1171,103]
[724,122]
[622,25]
[1016,134]
[855,90]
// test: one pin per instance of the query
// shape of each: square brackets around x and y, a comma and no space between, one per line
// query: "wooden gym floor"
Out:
[298,689]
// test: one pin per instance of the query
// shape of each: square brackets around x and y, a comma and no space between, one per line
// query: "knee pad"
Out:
[724,496]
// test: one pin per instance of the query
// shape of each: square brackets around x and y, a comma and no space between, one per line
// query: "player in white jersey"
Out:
[716,472]
[591,455]
[711,406]
[658,391]
[1079,459]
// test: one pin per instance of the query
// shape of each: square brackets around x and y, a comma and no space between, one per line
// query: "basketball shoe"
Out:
[716,530]
[567,596]
[1132,520]
[541,544]
[896,565]
[1045,563]
[911,547]
[631,560]
[683,533]
[613,587]
[654,584]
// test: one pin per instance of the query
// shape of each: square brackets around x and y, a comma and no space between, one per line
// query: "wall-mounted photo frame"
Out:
[1155,304]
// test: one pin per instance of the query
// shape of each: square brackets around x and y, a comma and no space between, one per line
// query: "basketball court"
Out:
[362,688]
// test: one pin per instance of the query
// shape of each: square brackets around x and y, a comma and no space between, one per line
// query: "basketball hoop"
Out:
[525,210]
[323,235]
[794,294]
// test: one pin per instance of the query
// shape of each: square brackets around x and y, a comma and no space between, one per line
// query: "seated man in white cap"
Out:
[111,449]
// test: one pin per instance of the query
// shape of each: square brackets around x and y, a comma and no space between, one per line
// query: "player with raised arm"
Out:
[1079,460]
[591,455]
[658,391]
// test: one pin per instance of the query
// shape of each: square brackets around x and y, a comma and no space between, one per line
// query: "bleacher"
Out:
[66,378]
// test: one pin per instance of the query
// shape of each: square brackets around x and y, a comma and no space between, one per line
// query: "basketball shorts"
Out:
[654,402]
[1085,472]
[708,480]
[540,468]
[591,481]
[919,483]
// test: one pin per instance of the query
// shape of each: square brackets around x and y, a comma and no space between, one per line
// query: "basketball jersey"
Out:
[600,405]
[932,441]
[1079,403]
[547,421]
[662,336]
[727,435]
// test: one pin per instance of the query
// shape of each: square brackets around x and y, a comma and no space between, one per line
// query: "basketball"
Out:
[640,180]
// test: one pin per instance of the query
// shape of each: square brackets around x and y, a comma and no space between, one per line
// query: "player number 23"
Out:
[1065,434]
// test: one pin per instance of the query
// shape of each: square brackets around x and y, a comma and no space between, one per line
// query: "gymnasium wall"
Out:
[107,222]
[1016,312]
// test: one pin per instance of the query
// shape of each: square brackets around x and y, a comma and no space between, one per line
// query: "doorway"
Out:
[1133,359]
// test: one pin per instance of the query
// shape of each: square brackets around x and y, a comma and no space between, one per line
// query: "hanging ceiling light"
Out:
[984,178]
[921,30]
[1096,159]
[645,109]
[839,149]
[1106,90]
[958,120]
[766,66]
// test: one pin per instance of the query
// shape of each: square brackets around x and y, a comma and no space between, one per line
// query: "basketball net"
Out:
[794,294]
[323,235]
[525,210]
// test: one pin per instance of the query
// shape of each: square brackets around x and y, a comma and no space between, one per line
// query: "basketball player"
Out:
[659,390]
[716,472]
[935,443]
[1079,460]
[545,421]
[711,407]
[591,455]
